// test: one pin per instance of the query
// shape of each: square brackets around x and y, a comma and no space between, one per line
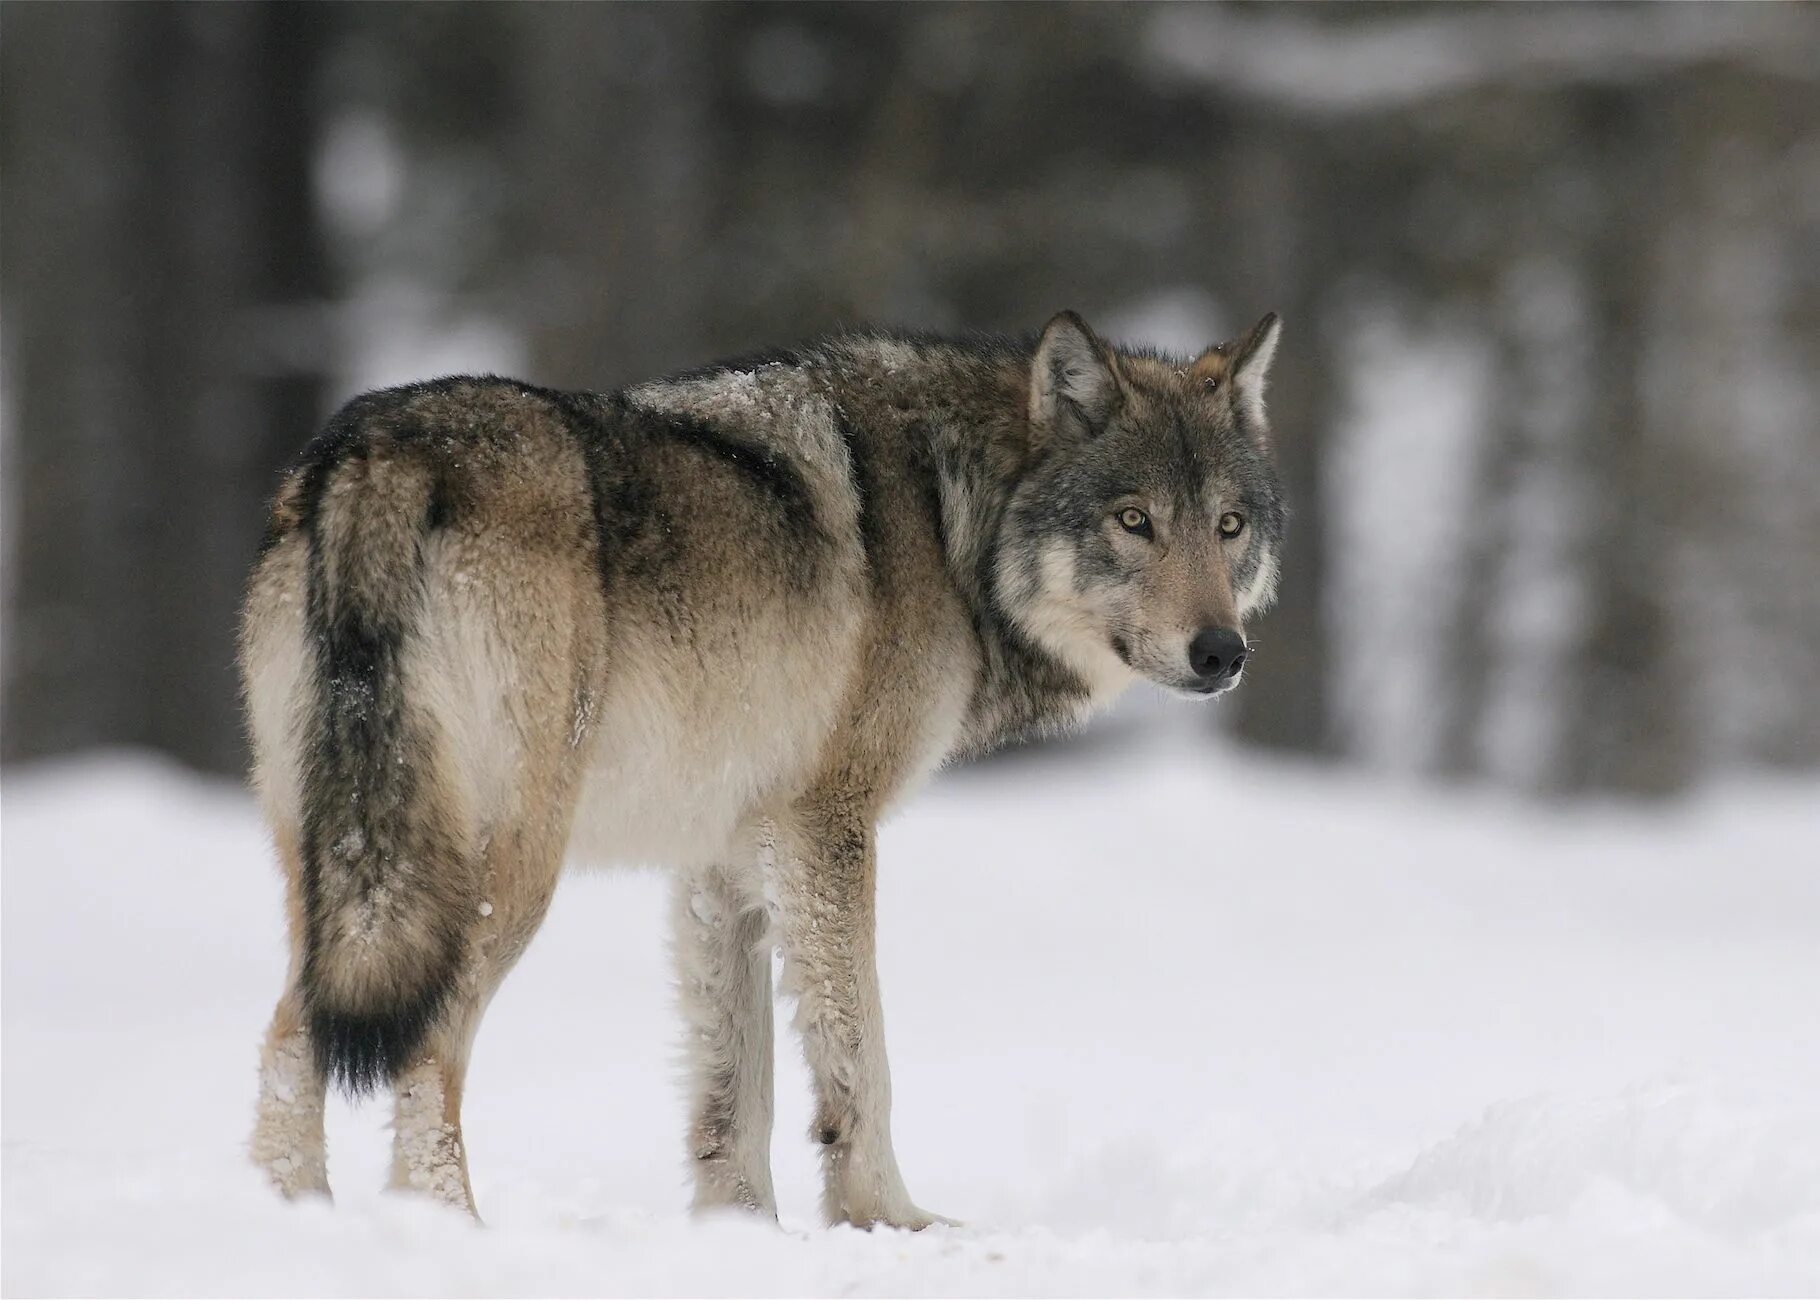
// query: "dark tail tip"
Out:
[360,1053]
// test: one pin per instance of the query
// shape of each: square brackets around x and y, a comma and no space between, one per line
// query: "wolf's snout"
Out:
[1216,654]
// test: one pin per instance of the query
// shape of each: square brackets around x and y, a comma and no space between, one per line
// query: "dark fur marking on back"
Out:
[633,522]
[620,496]
[441,511]
[863,476]
[771,472]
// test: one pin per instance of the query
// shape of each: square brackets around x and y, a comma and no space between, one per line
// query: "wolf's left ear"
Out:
[1074,384]
[1244,364]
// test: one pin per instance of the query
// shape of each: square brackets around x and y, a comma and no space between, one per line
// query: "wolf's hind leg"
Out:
[520,871]
[287,1132]
[428,1153]
[506,664]
[287,1137]
[723,966]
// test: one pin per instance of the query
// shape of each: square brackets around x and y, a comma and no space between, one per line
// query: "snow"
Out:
[1164,1018]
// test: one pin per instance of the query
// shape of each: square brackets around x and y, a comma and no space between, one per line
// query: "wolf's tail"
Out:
[389,875]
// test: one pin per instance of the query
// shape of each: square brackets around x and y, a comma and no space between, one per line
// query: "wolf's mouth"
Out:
[1194,688]
[1207,690]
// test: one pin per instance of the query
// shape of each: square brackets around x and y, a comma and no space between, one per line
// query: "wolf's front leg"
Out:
[825,879]
[723,968]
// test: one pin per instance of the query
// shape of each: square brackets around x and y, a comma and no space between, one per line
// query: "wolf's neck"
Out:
[955,410]
[1024,689]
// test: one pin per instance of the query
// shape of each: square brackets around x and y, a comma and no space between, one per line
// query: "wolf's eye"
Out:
[1231,525]
[1133,520]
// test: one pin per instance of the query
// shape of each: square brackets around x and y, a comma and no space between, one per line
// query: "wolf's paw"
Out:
[908,1217]
[918,1219]
[865,1189]
[721,1188]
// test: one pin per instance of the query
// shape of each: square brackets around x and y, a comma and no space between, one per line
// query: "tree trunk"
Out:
[1281,264]
[612,157]
[68,378]
[151,421]
[1627,725]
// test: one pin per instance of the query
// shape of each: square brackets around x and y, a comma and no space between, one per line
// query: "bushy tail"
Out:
[389,877]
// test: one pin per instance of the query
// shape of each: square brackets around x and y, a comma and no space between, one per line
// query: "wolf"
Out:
[719,622]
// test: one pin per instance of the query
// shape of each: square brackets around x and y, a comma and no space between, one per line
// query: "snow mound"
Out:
[1719,1163]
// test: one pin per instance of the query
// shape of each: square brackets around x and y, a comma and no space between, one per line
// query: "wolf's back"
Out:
[388,875]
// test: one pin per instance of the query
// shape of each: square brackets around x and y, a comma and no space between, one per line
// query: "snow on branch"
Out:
[1395,63]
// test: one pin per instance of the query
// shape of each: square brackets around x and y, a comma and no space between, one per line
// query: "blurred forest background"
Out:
[1549,400]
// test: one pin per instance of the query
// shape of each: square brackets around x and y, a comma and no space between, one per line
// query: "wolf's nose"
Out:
[1216,653]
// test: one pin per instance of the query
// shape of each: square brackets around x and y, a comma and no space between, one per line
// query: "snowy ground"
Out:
[1161,1022]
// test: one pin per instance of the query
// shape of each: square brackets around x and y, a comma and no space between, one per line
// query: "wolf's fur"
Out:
[717,622]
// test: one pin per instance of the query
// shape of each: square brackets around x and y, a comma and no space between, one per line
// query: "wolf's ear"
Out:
[1251,358]
[1074,386]
[1244,364]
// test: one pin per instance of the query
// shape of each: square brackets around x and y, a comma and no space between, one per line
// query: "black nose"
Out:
[1216,653]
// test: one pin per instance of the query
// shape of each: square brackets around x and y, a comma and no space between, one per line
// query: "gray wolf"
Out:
[718,622]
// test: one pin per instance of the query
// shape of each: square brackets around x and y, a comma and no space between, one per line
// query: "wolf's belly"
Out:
[687,753]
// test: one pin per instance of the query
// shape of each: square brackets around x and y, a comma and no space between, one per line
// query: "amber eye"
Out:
[1231,525]
[1133,520]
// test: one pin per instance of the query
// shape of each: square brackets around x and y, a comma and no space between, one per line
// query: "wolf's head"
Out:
[1146,526]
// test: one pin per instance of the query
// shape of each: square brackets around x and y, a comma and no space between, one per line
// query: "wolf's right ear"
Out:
[1074,383]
